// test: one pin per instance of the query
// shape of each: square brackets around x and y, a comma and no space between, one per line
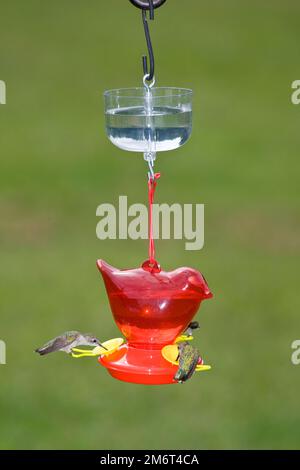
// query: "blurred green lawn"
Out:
[57,166]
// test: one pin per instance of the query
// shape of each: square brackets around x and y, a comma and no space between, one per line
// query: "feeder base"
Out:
[140,366]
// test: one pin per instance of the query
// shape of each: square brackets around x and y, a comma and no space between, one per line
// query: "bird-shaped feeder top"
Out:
[153,308]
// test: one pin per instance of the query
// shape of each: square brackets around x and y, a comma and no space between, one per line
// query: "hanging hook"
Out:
[149,74]
[150,5]
[144,4]
[151,9]
[150,161]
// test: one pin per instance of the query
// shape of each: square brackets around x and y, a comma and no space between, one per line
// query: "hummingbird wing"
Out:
[188,360]
[192,366]
[58,343]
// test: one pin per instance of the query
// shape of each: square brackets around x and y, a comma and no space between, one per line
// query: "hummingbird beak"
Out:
[101,345]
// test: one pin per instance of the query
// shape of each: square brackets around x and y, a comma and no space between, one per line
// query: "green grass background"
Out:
[57,166]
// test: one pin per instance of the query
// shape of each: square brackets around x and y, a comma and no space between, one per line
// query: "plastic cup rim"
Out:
[117,92]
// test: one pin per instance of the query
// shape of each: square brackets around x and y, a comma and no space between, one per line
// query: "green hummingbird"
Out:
[67,341]
[193,325]
[188,360]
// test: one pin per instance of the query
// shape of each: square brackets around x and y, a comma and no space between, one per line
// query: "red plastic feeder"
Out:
[151,308]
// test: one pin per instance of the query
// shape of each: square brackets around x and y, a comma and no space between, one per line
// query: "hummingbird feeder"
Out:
[151,307]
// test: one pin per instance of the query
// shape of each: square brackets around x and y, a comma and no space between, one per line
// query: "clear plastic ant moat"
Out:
[148,120]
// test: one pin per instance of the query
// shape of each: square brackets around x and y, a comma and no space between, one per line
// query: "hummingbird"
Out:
[193,325]
[188,360]
[67,341]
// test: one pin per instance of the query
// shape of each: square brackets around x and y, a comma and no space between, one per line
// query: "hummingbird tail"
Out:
[180,375]
[42,351]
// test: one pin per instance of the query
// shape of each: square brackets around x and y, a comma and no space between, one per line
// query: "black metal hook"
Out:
[151,9]
[148,74]
[144,4]
[148,5]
